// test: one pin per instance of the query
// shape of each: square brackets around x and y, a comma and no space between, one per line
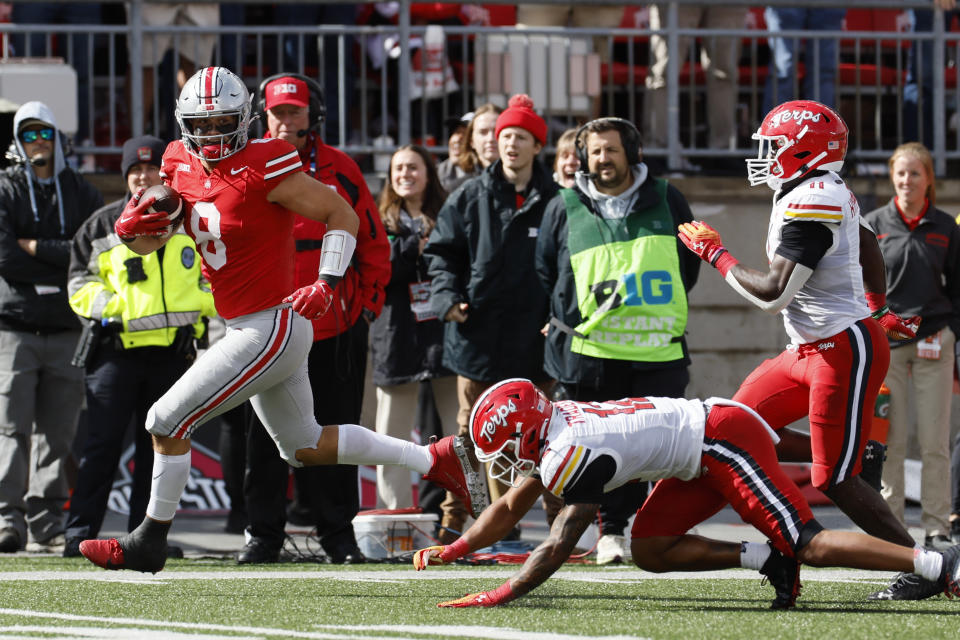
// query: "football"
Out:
[168,201]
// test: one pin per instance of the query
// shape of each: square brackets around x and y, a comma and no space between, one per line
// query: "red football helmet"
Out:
[507,424]
[796,138]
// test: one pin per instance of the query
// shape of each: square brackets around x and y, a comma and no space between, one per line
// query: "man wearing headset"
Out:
[618,280]
[293,107]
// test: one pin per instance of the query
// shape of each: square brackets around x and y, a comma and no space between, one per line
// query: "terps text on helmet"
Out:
[498,419]
[795,114]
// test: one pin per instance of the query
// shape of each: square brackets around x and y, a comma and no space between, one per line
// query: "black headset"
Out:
[629,136]
[317,110]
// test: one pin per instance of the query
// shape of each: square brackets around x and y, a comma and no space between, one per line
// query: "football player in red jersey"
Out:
[242,199]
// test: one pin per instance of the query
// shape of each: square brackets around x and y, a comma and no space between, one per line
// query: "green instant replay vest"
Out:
[629,289]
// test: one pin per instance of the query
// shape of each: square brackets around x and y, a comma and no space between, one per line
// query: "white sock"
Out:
[927,563]
[170,475]
[753,555]
[359,445]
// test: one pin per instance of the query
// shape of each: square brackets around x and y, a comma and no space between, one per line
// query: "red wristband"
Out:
[455,550]
[725,262]
[876,300]
[502,594]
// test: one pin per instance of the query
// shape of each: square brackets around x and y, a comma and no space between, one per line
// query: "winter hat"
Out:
[141,149]
[520,113]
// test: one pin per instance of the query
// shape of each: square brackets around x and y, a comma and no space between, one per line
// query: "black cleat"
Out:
[908,586]
[784,574]
[950,572]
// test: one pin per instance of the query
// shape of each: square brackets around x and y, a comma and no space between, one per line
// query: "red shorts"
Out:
[835,381]
[740,467]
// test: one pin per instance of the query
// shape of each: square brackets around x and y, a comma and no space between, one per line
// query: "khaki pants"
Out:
[396,411]
[933,386]
[719,59]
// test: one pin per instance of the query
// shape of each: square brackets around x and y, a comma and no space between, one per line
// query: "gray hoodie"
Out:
[36,110]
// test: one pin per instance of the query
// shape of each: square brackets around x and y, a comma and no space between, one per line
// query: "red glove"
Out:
[442,554]
[136,220]
[312,301]
[501,595]
[893,325]
[704,241]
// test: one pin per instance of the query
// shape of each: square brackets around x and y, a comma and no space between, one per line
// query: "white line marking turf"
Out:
[346,631]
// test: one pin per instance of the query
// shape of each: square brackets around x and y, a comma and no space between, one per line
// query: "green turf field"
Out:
[46,597]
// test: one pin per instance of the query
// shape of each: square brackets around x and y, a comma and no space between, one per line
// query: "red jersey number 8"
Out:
[206,231]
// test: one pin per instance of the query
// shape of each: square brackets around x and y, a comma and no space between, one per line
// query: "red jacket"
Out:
[369,271]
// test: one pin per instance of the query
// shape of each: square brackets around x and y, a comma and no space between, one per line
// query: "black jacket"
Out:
[923,268]
[481,252]
[25,279]
[556,276]
[402,349]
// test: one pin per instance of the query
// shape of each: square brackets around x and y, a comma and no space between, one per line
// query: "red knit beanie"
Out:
[520,113]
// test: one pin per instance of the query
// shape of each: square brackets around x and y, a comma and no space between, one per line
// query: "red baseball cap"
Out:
[287,90]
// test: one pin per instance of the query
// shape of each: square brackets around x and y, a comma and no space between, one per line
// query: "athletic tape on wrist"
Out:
[336,252]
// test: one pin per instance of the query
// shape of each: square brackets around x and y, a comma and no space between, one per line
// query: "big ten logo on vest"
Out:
[654,287]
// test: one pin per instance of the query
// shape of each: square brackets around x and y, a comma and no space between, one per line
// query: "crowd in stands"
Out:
[463,276]
[784,67]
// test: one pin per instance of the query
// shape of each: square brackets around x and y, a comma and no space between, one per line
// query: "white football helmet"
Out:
[210,92]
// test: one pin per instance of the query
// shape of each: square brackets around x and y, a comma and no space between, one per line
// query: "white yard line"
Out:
[135,629]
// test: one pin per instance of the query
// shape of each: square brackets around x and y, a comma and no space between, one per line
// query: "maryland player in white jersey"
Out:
[826,277]
[705,454]
[241,198]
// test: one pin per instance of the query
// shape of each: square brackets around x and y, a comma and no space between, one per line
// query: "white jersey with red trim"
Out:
[245,240]
[648,439]
[833,297]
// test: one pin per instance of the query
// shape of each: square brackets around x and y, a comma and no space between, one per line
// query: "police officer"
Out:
[618,280]
[143,316]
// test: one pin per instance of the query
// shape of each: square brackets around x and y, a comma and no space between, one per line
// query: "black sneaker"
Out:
[71,548]
[784,574]
[258,551]
[955,531]
[908,586]
[871,464]
[950,572]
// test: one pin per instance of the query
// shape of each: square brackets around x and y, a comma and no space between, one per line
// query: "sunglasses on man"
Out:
[33,134]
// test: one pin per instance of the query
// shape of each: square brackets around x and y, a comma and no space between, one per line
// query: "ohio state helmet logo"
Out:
[498,419]
[794,114]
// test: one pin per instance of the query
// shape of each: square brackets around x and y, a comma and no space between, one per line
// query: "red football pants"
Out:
[740,467]
[835,381]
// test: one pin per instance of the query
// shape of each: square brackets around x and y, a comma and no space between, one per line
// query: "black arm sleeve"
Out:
[588,488]
[805,242]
